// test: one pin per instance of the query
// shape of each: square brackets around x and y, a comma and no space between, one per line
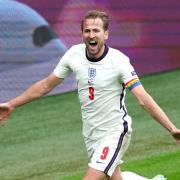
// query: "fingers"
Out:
[176,135]
[4,113]
[3,107]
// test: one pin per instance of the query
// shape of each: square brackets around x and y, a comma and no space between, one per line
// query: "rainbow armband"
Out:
[133,83]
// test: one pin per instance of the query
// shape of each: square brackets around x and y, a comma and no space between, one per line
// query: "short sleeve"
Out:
[128,74]
[62,69]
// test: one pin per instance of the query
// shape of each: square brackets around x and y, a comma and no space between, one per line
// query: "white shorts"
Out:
[106,153]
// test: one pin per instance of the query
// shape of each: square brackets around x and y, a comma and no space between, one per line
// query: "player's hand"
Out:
[5,111]
[176,134]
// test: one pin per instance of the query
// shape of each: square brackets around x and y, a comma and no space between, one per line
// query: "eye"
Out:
[96,30]
[86,31]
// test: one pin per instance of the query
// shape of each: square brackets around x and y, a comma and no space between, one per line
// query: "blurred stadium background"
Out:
[35,34]
[38,141]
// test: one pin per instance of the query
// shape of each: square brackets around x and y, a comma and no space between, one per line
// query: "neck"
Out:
[98,58]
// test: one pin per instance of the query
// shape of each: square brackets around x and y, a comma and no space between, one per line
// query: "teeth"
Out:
[92,41]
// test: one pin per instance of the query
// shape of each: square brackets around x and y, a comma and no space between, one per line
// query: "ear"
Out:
[106,34]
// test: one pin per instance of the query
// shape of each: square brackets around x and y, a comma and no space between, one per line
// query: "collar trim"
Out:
[101,57]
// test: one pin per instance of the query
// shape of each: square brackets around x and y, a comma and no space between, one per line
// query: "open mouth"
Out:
[92,43]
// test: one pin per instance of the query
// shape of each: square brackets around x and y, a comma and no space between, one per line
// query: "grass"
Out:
[166,163]
[43,141]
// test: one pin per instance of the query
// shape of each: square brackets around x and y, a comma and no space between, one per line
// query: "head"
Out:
[95,32]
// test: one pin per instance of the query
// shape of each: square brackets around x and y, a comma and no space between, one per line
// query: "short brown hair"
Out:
[93,14]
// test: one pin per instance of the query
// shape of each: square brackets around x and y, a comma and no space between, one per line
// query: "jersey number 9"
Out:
[91,93]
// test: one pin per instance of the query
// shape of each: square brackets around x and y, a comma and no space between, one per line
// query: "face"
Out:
[94,36]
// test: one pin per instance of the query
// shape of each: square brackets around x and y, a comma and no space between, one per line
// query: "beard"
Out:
[94,51]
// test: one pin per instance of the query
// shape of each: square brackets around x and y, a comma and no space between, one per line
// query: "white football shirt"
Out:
[101,88]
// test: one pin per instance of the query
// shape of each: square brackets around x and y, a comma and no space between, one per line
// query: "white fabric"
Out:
[101,157]
[126,175]
[106,76]
[132,176]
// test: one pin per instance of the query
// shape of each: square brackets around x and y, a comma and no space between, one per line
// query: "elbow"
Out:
[144,101]
[142,104]
[147,103]
[46,89]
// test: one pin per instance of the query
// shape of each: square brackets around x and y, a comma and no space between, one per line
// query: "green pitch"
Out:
[42,140]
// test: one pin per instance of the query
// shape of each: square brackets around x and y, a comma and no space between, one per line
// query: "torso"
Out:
[101,91]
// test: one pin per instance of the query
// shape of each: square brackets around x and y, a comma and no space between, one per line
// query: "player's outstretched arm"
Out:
[5,111]
[149,105]
[35,91]
[176,134]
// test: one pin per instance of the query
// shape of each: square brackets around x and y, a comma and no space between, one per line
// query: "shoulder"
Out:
[73,54]
[73,50]
[118,56]
[77,48]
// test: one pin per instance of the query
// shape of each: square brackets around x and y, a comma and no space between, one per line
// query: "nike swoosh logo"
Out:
[99,162]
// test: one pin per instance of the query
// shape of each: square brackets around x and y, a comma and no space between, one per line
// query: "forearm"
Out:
[157,113]
[36,91]
[150,106]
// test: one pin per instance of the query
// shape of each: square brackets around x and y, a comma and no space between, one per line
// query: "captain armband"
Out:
[133,83]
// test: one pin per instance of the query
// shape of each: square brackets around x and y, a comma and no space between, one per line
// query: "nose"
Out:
[91,34]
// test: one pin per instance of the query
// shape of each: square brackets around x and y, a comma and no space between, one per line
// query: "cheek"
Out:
[84,36]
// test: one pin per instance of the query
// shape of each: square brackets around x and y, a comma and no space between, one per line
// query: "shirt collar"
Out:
[106,49]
